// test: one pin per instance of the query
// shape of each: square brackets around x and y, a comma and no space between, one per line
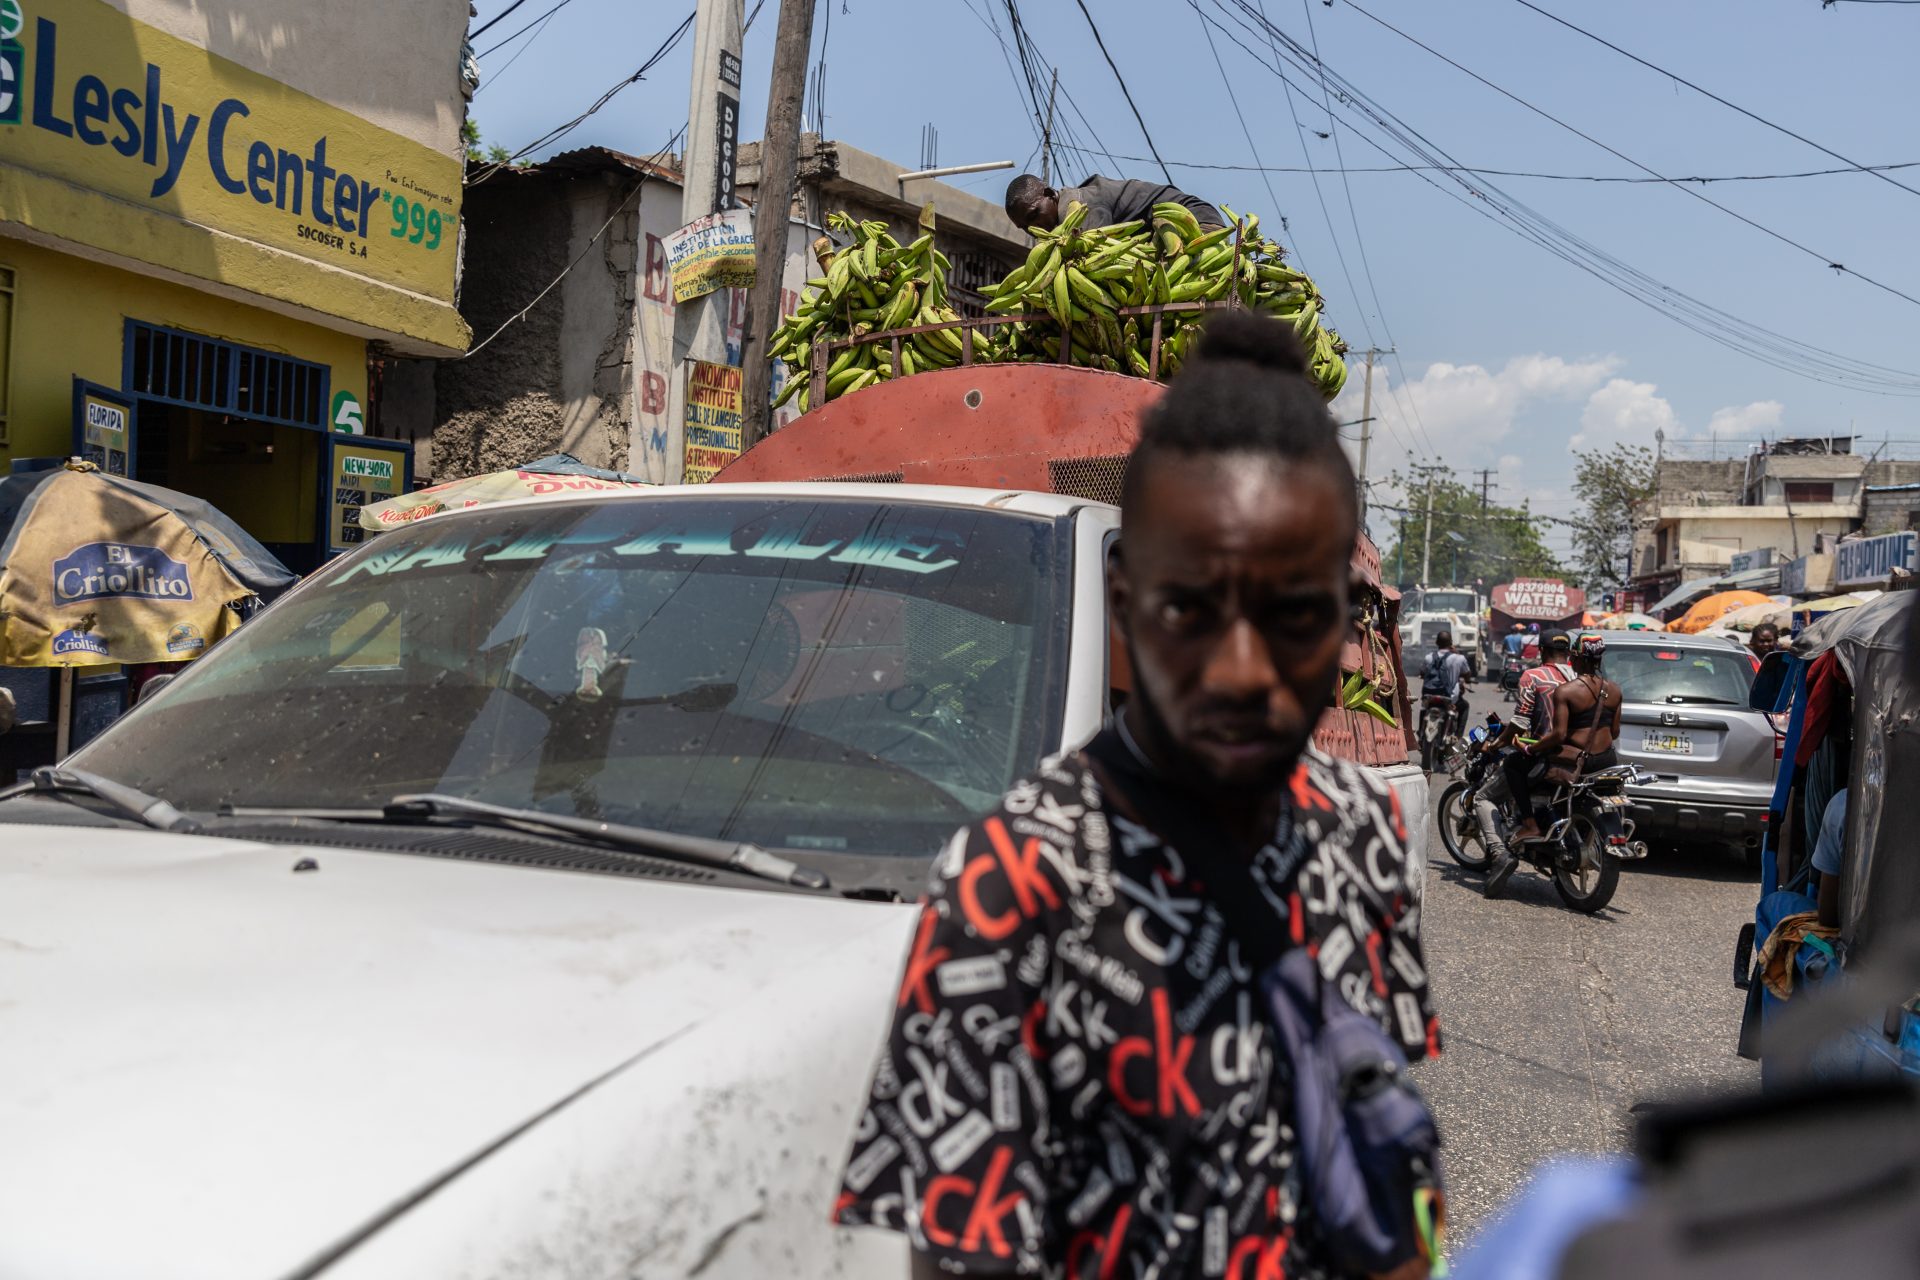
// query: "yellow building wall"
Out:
[69,321]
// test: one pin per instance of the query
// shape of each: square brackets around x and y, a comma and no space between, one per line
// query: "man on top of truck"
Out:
[1032,203]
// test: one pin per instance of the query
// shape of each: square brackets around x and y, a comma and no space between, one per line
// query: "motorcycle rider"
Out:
[1531,718]
[1446,673]
[1585,722]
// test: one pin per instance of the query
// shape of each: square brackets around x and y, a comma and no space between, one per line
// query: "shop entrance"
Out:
[243,428]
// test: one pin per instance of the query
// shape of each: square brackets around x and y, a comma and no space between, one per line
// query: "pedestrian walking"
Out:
[1080,1078]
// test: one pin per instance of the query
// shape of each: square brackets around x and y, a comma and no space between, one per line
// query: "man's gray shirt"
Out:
[1110,200]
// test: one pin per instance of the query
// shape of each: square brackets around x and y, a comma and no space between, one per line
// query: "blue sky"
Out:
[1506,354]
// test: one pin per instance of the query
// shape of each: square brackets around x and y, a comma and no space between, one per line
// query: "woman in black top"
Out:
[1586,723]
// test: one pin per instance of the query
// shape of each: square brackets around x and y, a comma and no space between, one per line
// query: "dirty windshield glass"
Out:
[838,675]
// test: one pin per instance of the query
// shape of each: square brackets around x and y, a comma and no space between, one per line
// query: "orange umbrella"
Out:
[1706,612]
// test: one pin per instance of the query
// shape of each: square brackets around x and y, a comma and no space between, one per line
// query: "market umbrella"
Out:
[1705,613]
[555,473]
[98,569]
[1829,604]
[1631,622]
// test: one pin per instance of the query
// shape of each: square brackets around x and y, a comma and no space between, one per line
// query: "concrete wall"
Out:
[587,370]
[1712,535]
[507,402]
[395,65]
[1891,511]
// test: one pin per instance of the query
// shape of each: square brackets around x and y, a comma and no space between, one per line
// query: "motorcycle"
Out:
[1512,667]
[1587,831]
[1436,730]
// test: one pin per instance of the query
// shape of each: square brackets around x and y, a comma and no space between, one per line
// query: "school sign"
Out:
[220,172]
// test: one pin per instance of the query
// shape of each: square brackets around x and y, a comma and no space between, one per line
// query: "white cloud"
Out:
[1461,406]
[1624,411]
[1743,422]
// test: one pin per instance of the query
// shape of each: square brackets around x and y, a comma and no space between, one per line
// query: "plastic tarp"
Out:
[1681,594]
[1880,877]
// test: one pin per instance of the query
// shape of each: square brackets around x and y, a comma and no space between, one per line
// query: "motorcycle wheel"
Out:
[1460,829]
[1591,885]
[1429,738]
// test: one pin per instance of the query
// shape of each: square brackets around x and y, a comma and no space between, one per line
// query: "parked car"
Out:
[1708,760]
[525,893]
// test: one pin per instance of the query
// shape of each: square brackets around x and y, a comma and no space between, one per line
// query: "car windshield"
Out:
[840,675]
[1446,602]
[1679,673]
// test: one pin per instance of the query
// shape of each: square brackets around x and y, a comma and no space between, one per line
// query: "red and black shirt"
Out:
[1079,1081]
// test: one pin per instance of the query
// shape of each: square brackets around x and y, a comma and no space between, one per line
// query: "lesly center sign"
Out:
[92,97]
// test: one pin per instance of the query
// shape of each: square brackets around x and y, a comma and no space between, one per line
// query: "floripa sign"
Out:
[1538,599]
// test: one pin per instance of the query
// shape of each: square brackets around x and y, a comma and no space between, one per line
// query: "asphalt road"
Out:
[1556,1024]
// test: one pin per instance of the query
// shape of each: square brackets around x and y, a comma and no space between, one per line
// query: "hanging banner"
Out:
[714,252]
[712,419]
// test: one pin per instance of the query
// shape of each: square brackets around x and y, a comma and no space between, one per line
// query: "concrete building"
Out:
[210,215]
[587,369]
[1794,497]
[1890,508]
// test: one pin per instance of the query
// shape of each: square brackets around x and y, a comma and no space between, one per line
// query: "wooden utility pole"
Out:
[779,159]
[1046,135]
[1486,484]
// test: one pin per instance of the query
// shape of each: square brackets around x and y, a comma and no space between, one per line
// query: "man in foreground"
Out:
[1080,1079]
[1032,203]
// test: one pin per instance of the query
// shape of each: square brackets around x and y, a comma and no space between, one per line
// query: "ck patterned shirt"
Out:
[1078,1081]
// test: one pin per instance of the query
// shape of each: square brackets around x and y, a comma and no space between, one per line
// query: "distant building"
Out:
[586,370]
[211,214]
[1890,508]
[1795,497]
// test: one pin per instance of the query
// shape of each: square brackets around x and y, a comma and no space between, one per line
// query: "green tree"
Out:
[1495,543]
[1610,484]
[476,150]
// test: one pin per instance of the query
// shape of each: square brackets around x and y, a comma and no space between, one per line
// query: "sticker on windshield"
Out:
[800,534]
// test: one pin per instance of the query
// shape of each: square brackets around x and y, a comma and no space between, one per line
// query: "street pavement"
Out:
[1556,1024]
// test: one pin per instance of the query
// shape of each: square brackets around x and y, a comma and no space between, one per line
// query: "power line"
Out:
[621,208]
[560,131]
[1778,128]
[1625,179]
[1544,114]
[490,22]
[1124,91]
[1252,147]
[1353,216]
[501,44]
[1489,201]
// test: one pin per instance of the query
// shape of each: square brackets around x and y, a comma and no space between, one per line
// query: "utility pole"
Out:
[1486,483]
[779,158]
[1366,421]
[713,138]
[1426,537]
[1046,135]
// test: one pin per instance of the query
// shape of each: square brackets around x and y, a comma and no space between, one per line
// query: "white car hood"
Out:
[211,1065]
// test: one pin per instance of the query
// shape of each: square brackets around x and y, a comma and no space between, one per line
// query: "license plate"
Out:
[1673,744]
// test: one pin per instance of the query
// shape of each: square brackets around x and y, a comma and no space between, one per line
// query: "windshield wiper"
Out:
[125,801]
[1703,700]
[727,855]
